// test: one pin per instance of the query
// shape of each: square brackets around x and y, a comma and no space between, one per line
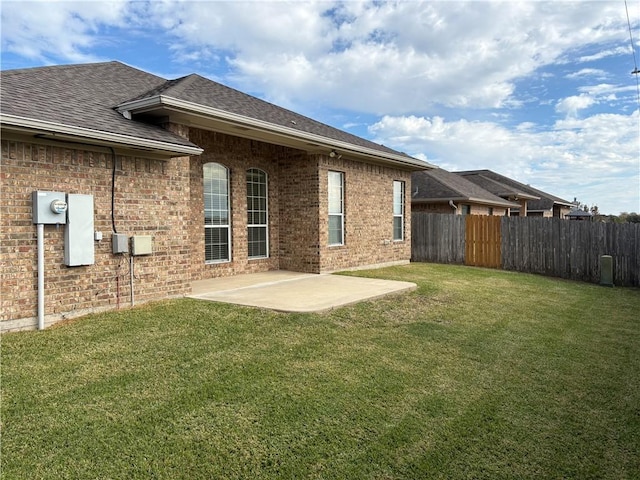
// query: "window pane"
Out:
[398,210]
[397,228]
[216,244]
[398,197]
[216,212]
[257,242]
[335,190]
[335,230]
[257,214]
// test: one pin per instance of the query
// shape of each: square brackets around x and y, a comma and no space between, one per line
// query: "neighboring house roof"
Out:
[439,186]
[578,213]
[494,182]
[119,100]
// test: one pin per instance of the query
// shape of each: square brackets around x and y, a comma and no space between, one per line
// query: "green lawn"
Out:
[476,374]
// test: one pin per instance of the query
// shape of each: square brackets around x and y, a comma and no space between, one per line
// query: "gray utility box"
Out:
[49,208]
[120,243]
[606,270]
[78,234]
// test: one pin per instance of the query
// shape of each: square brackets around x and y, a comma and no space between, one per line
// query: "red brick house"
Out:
[169,182]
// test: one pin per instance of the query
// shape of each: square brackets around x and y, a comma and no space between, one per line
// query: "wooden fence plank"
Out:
[548,246]
[482,241]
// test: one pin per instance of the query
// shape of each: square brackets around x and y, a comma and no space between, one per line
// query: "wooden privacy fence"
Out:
[548,246]
[482,241]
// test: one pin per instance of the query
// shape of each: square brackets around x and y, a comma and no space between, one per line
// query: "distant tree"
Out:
[632,217]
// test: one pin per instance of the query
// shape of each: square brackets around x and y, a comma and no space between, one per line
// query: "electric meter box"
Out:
[49,208]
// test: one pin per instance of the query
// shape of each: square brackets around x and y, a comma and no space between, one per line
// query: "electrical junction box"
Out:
[120,243]
[49,208]
[141,245]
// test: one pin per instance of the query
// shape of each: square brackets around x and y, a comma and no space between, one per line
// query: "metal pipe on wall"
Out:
[131,276]
[40,227]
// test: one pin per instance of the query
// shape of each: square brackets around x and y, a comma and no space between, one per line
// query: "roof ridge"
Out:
[531,189]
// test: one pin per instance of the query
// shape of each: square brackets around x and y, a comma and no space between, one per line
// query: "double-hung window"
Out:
[257,214]
[336,208]
[217,231]
[398,210]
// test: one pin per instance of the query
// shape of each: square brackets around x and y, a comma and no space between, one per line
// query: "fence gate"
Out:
[482,241]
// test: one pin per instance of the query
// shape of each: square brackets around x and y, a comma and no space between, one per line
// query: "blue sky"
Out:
[538,91]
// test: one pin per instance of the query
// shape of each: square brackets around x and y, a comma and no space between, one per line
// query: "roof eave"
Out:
[466,199]
[99,137]
[162,101]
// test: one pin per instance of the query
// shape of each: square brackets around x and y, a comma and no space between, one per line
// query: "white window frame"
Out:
[332,177]
[398,208]
[227,196]
[251,225]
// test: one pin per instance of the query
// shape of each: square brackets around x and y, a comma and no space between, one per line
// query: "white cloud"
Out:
[595,159]
[588,72]
[413,62]
[611,52]
[410,56]
[571,105]
[44,31]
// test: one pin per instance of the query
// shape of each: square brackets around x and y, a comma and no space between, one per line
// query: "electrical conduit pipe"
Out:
[40,227]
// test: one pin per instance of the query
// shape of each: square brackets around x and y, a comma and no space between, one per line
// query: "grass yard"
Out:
[476,374]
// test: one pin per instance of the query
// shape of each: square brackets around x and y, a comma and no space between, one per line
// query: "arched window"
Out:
[257,214]
[217,231]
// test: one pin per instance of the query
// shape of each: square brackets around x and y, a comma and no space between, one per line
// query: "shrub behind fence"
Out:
[548,246]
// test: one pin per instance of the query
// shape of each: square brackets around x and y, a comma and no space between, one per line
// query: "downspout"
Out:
[453,205]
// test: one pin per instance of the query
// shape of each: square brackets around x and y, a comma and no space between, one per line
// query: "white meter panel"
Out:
[78,235]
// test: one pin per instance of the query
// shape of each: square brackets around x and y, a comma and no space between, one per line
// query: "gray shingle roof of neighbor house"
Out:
[577,213]
[495,187]
[438,185]
[125,102]
[538,200]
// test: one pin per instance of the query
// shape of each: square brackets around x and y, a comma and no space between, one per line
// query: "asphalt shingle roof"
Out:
[82,96]
[439,184]
[493,182]
[87,95]
[202,91]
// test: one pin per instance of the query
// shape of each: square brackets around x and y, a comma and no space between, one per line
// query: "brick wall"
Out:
[368,216]
[238,155]
[293,205]
[299,217]
[150,198]
[433,208]
[164,199]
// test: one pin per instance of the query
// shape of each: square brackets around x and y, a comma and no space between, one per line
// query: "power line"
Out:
[633,52]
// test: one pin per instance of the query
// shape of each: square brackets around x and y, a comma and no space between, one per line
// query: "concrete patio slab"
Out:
[295,292]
